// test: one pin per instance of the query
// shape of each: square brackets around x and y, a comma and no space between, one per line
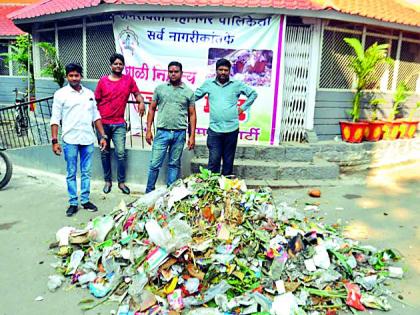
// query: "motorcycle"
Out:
[6,168]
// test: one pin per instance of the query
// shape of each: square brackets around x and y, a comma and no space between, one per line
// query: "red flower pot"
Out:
[408,129]
[374,131]
[353,132]
[391,130]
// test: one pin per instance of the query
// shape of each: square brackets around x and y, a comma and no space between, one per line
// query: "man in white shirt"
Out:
[75,108]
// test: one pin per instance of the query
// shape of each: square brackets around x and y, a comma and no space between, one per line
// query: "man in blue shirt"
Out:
[222,134]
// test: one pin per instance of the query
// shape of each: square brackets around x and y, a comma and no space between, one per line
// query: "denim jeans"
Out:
[116,133]
[222,146]
[172,141]
[71,153]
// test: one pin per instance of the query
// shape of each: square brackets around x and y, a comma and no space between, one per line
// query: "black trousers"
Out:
[222,146]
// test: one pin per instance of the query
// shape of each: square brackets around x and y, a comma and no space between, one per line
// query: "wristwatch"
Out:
[104,137]
[54,140]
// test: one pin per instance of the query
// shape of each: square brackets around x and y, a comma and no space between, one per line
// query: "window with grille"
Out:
[100,45]
[409,70]
[49,37]
[335,59]
[4,67]
[70,45]
[385,72]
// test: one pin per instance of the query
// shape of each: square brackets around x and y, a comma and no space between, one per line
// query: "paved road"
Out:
[382,213]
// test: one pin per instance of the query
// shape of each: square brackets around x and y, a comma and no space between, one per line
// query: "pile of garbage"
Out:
[208,245]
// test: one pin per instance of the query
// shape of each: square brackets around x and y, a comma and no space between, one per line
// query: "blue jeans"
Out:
[222,145]
[71,152]
[116,133]
[172,141]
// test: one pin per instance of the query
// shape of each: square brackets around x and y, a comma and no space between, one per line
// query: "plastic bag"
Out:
[149,199]
[176,235]
[54,282]
[284,304]
[101,228]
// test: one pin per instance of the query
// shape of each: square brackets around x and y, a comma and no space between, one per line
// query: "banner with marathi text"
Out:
[251,42]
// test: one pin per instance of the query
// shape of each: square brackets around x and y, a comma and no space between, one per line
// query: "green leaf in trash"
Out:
[327,293]
[86,301]
[343,262]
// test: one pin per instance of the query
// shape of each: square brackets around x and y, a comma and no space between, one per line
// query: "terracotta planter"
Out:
[374,131]
[391,130]
[353,132]
[408,129]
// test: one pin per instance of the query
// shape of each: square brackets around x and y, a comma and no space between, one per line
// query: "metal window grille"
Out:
[409,70]
[70,45]
[93,56]
[336,56]
[49,37]
[4,67]
[100,44]
[384,72]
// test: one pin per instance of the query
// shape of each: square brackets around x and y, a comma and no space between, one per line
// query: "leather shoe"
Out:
[71,210]
[124,189]
[107,188]
[90,207]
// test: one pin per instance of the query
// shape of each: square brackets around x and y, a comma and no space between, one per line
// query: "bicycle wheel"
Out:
[5,169]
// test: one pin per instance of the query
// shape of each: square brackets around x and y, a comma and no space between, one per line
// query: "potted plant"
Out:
[409,127]
[374,130]
[364,65]
[392,127]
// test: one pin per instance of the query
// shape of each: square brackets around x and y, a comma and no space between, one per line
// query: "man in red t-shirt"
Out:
[112,93]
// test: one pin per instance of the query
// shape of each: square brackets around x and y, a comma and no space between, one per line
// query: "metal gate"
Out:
[299,83]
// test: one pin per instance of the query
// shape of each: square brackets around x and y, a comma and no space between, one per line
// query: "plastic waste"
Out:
[368,282]
[99,289]
[138,281]
[87,277]
[321,258]
[175,300]
[63,234]
[284,304]
[177,193]
[101,227]
[280,287]
[354,296]
[176,235]
[395,272]
[75,259]
[277,266]
[155,258]
[263,301]
[148,200]
[208,295]
[377,302]
[192,285]
[221,301]
[205,311]
[54,282]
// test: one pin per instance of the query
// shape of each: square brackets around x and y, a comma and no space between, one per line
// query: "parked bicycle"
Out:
[6,168]
[22,113]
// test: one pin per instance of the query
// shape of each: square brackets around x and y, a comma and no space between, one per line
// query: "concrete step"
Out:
[270,170]
[289,152]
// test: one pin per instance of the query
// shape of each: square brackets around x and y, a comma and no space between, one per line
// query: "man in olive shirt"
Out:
[176,103]
[222,134]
